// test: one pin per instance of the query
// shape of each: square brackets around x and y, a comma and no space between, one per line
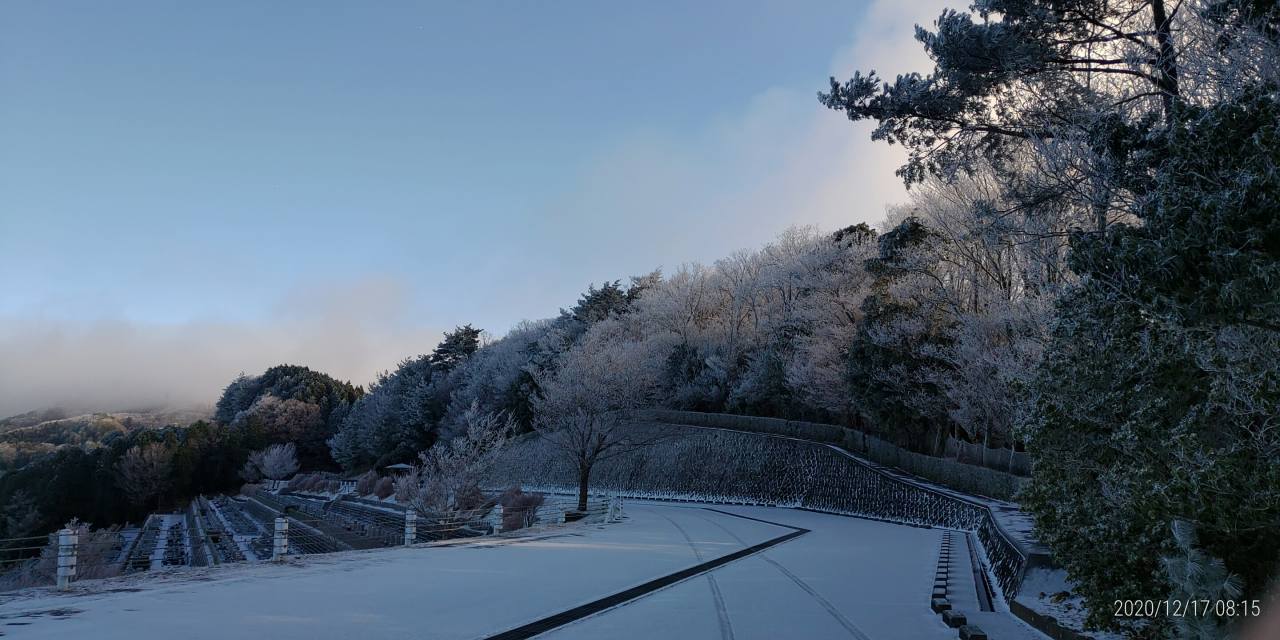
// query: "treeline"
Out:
[785,331]
[290,403]
[1114,170]
[28,437]
[19,446]
[1088,264]
[122,474]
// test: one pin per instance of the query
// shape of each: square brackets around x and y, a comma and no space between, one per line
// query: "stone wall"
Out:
[717,465]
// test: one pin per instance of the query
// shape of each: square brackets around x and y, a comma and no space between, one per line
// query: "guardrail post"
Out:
[68,544]
[501,512]
[280,541]
[410,527]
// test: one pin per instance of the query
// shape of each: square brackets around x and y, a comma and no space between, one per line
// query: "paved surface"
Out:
[846,578]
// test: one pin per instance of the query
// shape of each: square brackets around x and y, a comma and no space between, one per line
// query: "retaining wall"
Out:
[719,465]
[957,475]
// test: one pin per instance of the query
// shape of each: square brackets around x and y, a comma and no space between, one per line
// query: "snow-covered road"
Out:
[846,578]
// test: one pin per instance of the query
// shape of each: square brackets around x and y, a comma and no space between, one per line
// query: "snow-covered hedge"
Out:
[728,466]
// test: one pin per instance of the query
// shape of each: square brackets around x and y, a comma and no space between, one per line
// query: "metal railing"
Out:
[259,527]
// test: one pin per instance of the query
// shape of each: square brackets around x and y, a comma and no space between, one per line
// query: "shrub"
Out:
[96,555]
[307,482]
[384,488]
[471,498]
[519,509]
[366,483]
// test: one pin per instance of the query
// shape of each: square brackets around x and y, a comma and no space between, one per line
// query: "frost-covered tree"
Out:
[446,480]
[893,366]
[281,419]
[395,420]
[289,403]
[407,410]
[584,402]
[276,462]
[143,472]
[1019,71]
[994,269]
[495,378]
[1196,577]
[1158,399]
[1145,132]
[236,397]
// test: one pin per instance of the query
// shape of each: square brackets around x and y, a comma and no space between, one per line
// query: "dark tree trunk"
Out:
[584,476]
[1167,61]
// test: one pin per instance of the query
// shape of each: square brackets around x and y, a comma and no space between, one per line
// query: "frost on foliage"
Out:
[446,480]
[143,472]
[276,462]
[97,555]
[1194,575]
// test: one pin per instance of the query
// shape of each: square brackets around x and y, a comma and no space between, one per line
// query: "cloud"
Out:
[657,198]
[884,40]
[648,198]
[350,331]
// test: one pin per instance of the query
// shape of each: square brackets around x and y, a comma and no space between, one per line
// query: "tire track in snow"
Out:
[726,628]
[627,596]
[804,586]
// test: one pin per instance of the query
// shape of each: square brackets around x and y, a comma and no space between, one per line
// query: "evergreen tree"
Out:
[456,347]
[890,359]
[1022,70]
[597,304]
[1161,389]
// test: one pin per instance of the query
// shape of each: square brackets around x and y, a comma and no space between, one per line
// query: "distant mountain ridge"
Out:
[30,435]
[143,417]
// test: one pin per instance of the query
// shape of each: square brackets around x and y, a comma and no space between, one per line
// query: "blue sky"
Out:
[295,174]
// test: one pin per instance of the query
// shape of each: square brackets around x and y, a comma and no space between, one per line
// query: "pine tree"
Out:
[457,346]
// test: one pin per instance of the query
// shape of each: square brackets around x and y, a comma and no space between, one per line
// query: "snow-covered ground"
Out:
[846,578]
[1049,592]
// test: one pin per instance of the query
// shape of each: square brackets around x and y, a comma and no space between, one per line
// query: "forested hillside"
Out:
[1087,265]
[1087,268]
[112,468]
[1119,164]
[27,437]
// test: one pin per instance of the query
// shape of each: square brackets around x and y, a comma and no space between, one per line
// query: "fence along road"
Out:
[874,575]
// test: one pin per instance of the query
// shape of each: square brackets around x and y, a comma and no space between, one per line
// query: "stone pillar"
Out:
[68,543]
[280,542]
[410,526]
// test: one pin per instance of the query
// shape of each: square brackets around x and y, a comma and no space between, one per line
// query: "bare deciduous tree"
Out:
[447,480]
[143,472]
[586,400]
[276,462]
